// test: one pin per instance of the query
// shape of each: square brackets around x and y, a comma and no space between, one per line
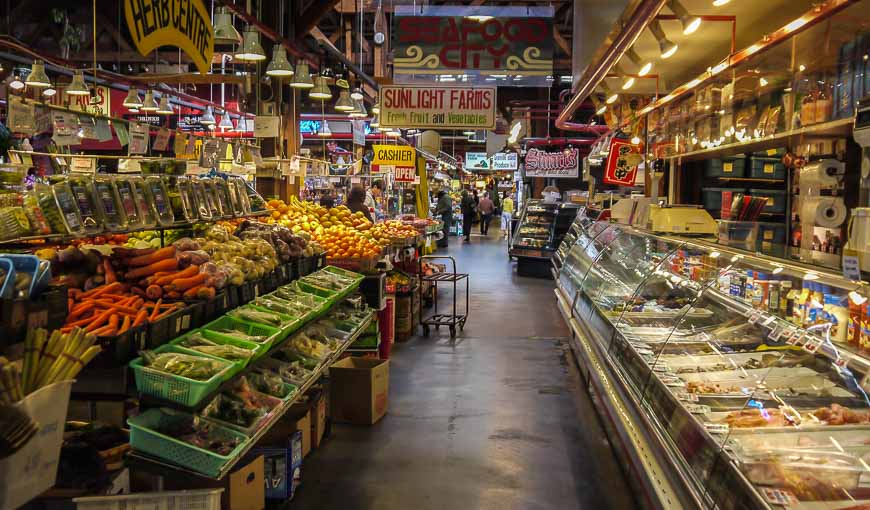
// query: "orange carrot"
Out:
[206,292]
[116,308]
[156,311]
[80,309]
[160,265]
[109,271]
[98,321]
[164,314]
[151,258]
[114,320]
[105,331]
[191,292]
[100,290]
[141,318]
[183,284]
[125,325]
[184,273]
[173,294]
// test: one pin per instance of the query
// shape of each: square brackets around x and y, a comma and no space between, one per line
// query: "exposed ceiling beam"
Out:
[190,78]
[311,16]
[561,41]
[321,38]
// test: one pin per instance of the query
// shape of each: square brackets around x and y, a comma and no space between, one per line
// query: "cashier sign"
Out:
[185,24]
[622,163]
[399,158]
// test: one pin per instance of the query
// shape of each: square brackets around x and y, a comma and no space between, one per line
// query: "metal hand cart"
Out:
[443,319]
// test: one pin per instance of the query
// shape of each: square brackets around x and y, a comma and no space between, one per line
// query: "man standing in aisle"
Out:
[507,210]
[487,207]
[469,209]
[444,208]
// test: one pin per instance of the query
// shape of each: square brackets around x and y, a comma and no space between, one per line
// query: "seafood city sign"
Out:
[561,164]
[491,45]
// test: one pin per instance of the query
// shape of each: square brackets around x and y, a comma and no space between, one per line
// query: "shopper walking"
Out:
[507,211]
[356,201]
[444,208]
[469,209]
[487,208]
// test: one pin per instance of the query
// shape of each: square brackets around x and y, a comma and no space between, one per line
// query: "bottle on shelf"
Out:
[837,313]
[808,108]
[824,104]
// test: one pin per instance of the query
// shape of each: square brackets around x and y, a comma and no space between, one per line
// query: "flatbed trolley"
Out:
[443,319]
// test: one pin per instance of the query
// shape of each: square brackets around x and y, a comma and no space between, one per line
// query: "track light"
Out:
[37,77]
[302,78]
[690,23]
[644,68]
[601,109]
[666,47]
[321,89]
[224,31]
[609,94]
[132,100]
[149,104]
[77,86]
[720,3]
[226,123]
[165,108]
[324,131]
[208,117]
[344,104]
[251,50]
[279,65]
[629,82]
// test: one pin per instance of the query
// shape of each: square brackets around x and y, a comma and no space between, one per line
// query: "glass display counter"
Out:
[731,381]
[540,231]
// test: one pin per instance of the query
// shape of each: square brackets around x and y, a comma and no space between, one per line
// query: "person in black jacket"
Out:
[469,209]
[356,201]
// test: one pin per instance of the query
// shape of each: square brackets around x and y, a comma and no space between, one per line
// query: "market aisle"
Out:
[492,422]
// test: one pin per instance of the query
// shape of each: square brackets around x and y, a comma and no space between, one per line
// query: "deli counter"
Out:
[725,379]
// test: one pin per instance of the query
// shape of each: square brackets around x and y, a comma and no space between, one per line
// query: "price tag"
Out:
[257,290]
[698,409]
[779,497]
[851,266]
[768,168]
[686,397]
[661,367]
[775,334]
[728,167]
[716,428]
[672,381]
[812,345]
[842,361]
[185,321]
[753,317]
[768,320]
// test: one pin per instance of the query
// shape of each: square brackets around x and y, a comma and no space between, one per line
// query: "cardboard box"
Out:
[244,487]
[297,418]
[360,390]
[282,468]
[318,418]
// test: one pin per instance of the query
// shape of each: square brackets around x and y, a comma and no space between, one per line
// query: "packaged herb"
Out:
[144,202]
[127,196]
[82,187]
[211,195]
[50,209]
[202,208]
[13,223]
[109,203]
[69,209]
[39,225]
[156,191]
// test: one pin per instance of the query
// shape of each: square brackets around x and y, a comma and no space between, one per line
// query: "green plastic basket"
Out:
[174,388]
[356,277]
[291,323]
[249,328]
[327,294]
[256,349]
[144,437]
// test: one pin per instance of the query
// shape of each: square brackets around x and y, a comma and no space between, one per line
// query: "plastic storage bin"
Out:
[727,167]
[775,199]
[712,198]
[39,271]
[771,238]
[144,437]
[257,349]
[766,168]
[739,234]
[227,323]
[181,390]
[202,499]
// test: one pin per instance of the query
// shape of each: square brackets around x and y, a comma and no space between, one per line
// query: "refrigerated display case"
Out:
[725,380]
[584,217]
[541,229]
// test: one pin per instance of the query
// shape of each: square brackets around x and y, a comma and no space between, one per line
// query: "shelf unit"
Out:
[825,130]
[160,467]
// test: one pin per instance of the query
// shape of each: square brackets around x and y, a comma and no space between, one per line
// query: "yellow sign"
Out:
[185,24]
[396,155]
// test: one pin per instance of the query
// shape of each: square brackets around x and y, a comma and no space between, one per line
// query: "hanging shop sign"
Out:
[508,46]
[622,161]
[100,103]
[498,162]
[266,126]
[559,164]
[404,173]
[396,155]
[184,24]
[421,106]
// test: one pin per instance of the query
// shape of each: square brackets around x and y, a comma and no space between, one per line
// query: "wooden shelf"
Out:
[752,179]
[834,129]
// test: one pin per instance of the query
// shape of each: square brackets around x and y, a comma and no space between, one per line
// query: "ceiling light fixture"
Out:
[376,122]
[720,3]
[49,91]
[357,94]
[376,108]
[251,50]
[690,23]
[37,77]
[667,48]
[324,131]
[644,68]
[279,65]
[149,104]
[321,89]
[132,100]
[16,83]
[208,117]
[344,104]
[164,108]
[77,86]
[609,94]
[302,78]
[224,31]
[359,110]
[226,123]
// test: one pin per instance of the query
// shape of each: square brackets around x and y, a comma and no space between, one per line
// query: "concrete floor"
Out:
[496,420]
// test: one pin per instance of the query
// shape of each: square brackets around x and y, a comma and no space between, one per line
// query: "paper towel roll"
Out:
[829,212]
[821,174]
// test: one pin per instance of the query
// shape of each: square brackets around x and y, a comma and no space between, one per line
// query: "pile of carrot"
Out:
[111,310]
[155,274]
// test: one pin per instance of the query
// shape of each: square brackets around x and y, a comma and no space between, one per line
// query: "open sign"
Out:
[405,173]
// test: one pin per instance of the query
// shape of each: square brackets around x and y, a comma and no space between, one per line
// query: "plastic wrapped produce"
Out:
[109,203]
[82,187]
[202,208]
[179,194]
[13,223]
[184,365]
[215,205]
[144,203]
[192,257]
[160,200]
[39,225]
[127,196]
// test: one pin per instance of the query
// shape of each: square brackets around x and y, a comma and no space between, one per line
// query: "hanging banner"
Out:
[180,144]
[498,162]
[22,116]
[420,107]
[161,141]
[359,132]
[139,138]
[184,24]
[559,164]
[622,163]
[504,45]
[266,126]
[103,130]
[100,103]
[65,128]
[398,155]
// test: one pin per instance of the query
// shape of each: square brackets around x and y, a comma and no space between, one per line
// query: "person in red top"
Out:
[486,208]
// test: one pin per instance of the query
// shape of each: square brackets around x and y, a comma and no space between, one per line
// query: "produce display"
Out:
[257,316]
[270,382]
[194,431]
[241,407]
[198,342]
[184,365]
[47,360]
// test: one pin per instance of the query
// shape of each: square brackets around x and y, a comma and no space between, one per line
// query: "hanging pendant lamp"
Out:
[37,77]
[149,104]
[324,131]
[224,31]
[357,94]
[208,117]
[226,123]
[279,66]
[376,122]
[321,89]
[359,110]
[302,78]
[251,50]
[132,100]
[77,86]
[344,104]
[165,108]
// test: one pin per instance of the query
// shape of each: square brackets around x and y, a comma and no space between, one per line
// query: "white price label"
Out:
[717,428]
[698,409]
[812,345]
[795,339]
[851,265]
[686,397]
[768,320]
[775,334]
[753,317]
